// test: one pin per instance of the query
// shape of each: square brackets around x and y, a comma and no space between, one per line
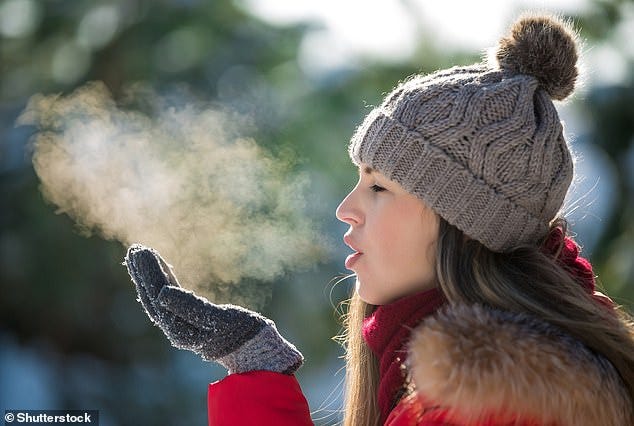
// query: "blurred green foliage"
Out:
[66,302]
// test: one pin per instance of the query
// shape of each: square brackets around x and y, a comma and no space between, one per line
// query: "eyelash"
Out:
[377,188]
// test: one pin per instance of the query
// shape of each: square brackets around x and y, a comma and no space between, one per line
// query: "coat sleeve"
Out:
[257,397]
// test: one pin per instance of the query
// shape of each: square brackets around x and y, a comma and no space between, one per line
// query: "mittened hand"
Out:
[237,338]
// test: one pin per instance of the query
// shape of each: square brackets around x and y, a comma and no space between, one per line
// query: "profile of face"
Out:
[393,235]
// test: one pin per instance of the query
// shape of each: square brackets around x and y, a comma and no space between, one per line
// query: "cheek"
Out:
[409,241]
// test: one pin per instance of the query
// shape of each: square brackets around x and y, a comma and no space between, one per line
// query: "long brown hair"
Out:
[362,368]
[523,280]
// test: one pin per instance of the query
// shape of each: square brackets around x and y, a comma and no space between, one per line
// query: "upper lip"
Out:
[348,240]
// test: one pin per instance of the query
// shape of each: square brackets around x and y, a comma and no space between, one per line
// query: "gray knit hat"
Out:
[483,145]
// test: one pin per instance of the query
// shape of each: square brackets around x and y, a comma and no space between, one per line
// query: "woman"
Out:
[472,306]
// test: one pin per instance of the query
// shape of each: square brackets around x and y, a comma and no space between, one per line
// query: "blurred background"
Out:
[72,335]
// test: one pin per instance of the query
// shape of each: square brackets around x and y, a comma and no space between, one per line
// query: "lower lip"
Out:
[352,259]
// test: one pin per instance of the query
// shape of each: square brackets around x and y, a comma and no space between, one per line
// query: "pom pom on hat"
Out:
[544,47]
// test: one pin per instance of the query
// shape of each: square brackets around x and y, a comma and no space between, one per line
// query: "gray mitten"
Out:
[237,338]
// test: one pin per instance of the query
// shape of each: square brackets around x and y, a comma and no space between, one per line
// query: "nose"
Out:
[348,212]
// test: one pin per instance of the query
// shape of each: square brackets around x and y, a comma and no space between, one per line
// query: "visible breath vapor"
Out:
[219,208]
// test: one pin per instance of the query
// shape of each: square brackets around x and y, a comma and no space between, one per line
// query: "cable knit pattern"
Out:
[482,145]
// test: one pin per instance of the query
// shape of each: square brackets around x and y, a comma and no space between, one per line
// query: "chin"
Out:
[367,296]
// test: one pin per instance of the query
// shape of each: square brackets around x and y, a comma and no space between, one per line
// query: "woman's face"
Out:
[393,235]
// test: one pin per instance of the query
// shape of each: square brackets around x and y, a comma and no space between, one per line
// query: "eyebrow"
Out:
[367,170]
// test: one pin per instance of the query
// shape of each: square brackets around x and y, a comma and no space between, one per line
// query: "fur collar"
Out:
[479,362]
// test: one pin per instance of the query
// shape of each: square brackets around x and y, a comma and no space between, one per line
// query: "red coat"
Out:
[257,398]
[266,398]
[470,367]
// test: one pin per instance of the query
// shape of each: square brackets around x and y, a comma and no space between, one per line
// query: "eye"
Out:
[377,188]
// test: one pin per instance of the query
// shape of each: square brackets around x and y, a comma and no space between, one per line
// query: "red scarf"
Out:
[387,331]
[566,252]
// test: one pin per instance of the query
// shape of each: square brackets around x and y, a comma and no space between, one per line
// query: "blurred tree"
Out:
[609,111]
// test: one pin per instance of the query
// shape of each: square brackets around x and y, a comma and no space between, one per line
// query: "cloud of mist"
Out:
[221,209]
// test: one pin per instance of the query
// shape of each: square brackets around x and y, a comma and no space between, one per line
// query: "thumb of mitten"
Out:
[148,272]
